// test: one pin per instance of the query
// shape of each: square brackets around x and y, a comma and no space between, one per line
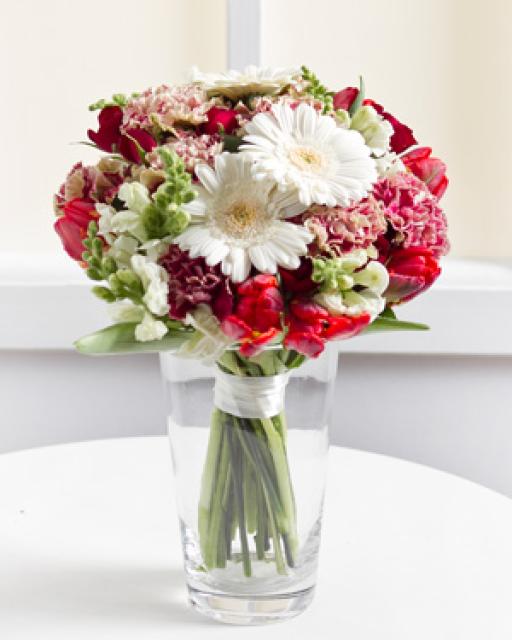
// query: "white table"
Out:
[89,549]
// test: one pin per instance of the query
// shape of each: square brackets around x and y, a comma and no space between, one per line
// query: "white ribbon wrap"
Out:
[250,397]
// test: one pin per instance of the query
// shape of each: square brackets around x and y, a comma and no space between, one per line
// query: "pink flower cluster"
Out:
[338,230]
[192,149]
[166,107]
[263,104]
[413,213]
[98,183]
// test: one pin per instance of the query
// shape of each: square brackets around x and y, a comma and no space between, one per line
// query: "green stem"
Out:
[252,450]
[278,453]
[215,549]
[209,478]
[261,528]
[249,491]
[274,534]
[239,500]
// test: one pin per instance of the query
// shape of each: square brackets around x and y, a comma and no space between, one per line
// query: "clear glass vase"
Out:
[249,441]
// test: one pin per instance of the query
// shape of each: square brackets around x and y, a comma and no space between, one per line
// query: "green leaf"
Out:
[85,143]
[356,105]
[381,324]
[120,338]
[231,143]
[388,313]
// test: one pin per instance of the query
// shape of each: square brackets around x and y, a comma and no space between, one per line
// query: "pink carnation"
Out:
[191,148]
[413,212]
[193,282]
[98,183]
[167,107]
[338,230]
[264,104]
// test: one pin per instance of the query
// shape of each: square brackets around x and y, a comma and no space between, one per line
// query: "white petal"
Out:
[305,120]
[207,177]
[198,207]
[218,251]
[284,115]
[262,259]
[236,264]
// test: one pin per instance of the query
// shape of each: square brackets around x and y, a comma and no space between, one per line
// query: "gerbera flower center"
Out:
[242,219]
[307,158]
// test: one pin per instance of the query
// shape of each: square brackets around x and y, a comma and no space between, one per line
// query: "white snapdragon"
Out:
[126,311]
[155,249]
[150,329]
[374,276]
[154,280]
[209,342]
[106,213]
[122,250]
[371,280]
[389,165]
[375,130]
[136,197]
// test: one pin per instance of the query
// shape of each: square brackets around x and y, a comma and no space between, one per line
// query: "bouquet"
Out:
[247,219]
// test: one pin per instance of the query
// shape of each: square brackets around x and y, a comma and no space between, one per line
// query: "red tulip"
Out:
[72,225]
[310,326]
[256,319]
[109,137]
[431,171]
[411,272]
[220,120]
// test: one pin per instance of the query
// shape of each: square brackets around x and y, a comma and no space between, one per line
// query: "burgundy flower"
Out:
[411,272]
[220,119]
[130,142]
[110,138]
[107,136]
[72,225]
[193,282]
[298,280]
[344,98]
[431,171]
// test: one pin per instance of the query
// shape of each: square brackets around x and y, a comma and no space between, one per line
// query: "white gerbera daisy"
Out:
[303,150]
[235,84]
[238,222]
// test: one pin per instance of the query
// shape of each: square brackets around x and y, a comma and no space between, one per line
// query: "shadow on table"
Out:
[138,596]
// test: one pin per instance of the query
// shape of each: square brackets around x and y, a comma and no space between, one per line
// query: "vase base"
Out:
[250,610]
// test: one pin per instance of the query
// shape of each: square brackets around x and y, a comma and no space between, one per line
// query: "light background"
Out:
[443,66]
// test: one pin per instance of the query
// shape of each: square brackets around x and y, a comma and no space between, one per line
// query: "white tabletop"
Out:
[89,549]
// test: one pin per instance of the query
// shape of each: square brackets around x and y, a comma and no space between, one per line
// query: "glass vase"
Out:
[249,441]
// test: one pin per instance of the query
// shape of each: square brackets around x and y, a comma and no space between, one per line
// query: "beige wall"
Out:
[58,56]
[443,66]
